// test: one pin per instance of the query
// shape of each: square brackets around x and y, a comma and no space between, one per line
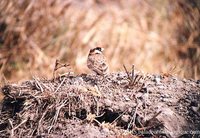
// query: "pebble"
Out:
[166,100]
[125,118]
[157,80]
[106,130]
[126,98]
[123,83]
[165,96]
[195,109]
[138,95]
[130,110]
[78,80]
[108,102]
[161,87]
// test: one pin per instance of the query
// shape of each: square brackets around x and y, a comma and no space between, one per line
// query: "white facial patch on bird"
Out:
[97,51]
[102,49]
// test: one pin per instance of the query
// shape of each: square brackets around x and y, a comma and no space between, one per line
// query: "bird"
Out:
[97,62]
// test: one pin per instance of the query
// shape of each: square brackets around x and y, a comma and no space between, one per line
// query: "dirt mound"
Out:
[118,105]
[162,37]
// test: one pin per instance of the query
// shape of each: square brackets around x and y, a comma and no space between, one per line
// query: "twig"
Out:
[130,79]
[60,85]
[51,86]
[133,82]
[69,109]
[136,82]
[133,71]
[39,122]
[101,115]
[13,129]
[119,116]
[133,79]
[55,68]
[153,117]
[58,110]
[145,105]
[56,115]
[31,135]
[24,121]
[145,128]
[97,122]
[97,113]
[47,87]
[38,84]
[132,122]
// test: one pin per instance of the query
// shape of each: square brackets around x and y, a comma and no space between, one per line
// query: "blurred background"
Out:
[157,36]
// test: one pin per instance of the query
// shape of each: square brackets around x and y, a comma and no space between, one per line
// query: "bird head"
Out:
[97,50]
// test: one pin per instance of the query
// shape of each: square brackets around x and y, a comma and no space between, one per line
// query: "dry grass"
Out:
[156,36]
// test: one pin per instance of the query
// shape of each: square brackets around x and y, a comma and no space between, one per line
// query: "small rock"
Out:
[138,95]
[165,96]
[173,123]
[78,80]
[123,83]
[130,110]
[126,98]
[161,87]
[116,107]
[122,106]
[157,80]
[165,100]
[108,102]
[106,130]
[195,109]
[125,118]
[184,80]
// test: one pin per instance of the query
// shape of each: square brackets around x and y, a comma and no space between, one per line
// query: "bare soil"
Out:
[90,106]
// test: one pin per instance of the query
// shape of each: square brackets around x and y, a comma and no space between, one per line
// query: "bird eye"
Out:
[99,48]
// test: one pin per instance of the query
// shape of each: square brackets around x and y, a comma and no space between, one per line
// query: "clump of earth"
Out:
[121,104]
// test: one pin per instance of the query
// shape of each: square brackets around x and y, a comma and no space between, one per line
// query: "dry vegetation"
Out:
[121,105]
[157,36]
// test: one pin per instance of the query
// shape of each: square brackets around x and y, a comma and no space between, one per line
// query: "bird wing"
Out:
[101,68]
[98,65]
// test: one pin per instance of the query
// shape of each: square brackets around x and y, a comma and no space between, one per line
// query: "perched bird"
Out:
[97,62]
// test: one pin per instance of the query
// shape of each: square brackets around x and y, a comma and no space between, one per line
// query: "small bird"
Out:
[97,62]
